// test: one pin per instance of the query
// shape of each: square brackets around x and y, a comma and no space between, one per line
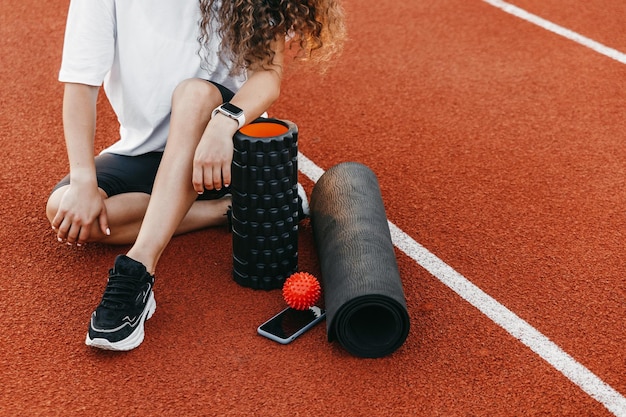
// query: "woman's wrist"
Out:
[83,177]
[224,124]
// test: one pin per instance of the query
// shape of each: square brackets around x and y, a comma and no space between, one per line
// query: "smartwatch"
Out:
[232,111]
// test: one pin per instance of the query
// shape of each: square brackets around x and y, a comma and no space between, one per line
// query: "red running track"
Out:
[499,147]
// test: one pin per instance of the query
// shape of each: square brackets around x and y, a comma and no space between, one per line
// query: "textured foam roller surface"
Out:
[363,294]
[265,203]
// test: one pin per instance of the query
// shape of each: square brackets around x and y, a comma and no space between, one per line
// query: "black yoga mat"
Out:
[365,303]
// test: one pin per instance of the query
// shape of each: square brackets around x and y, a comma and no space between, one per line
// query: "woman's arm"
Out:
[211,166]
[82,203]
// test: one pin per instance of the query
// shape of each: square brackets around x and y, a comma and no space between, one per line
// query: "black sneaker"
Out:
[304,212]
[128,301]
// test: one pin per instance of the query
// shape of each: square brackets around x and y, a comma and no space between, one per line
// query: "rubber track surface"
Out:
[498,145]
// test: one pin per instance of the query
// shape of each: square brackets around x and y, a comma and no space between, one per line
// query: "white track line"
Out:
[505,318]
[559,30]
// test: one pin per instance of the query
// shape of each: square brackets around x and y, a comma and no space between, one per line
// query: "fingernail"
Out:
[59,239]
[68,243]
[108,232]
[79,244]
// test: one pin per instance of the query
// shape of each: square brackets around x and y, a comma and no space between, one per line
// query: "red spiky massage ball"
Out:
[301,290]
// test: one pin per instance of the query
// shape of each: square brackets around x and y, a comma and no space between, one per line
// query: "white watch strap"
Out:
[241,120]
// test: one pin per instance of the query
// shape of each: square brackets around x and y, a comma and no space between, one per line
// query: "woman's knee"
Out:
[197,92]
[52,206]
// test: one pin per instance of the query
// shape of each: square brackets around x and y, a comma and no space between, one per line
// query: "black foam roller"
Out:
[365,303]
[265,203]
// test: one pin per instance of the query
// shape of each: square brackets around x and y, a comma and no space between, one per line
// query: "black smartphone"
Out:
[290,323]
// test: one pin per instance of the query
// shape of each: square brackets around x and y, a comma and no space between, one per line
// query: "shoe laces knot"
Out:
[121,290]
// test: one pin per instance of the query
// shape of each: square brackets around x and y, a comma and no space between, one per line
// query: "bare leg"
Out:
[204,214]
[173,193]
[126,212]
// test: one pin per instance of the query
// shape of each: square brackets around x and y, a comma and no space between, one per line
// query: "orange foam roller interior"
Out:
[264,130]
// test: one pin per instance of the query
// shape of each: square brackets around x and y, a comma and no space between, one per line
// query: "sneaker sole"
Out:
[133,340]
[304,202]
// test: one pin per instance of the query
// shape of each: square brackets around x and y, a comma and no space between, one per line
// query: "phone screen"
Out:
[290,323]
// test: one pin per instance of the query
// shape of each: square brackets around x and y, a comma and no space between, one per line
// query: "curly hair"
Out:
[248,28]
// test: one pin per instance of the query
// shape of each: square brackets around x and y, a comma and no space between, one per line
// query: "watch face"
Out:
[232,109]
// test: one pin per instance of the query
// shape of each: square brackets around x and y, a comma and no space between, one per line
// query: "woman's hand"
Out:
[79,209]
[214,154]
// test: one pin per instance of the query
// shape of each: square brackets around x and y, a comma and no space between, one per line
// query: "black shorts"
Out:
[118,174]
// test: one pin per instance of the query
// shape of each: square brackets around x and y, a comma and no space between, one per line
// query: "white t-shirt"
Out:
[140,50]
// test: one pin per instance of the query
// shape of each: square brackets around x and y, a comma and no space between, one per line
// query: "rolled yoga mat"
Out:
[365,304]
